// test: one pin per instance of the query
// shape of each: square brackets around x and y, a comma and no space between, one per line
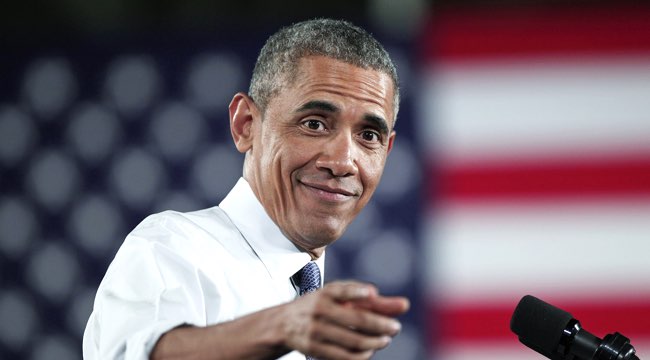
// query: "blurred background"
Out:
[522,164]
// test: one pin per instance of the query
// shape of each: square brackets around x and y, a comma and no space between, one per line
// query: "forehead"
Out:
[319,76]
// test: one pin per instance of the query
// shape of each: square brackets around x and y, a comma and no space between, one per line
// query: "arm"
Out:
[344,320]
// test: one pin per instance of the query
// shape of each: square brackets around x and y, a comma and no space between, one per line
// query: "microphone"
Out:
[555,334]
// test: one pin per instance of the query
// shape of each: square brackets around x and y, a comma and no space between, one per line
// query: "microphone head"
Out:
[539,325]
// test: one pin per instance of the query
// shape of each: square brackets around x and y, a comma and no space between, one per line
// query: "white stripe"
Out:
[536,108]
[500,252]
[510,351]
[498,351]
[473,351]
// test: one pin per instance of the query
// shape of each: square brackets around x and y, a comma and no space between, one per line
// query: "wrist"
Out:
[277,328]
[270,330]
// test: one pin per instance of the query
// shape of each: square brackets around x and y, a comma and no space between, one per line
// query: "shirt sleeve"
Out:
[148,290]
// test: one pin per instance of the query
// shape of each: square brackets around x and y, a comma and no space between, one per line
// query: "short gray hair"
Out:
[336,39]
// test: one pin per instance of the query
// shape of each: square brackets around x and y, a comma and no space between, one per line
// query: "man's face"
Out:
[319,152]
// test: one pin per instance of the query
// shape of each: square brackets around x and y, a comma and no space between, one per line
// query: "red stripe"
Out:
[489,323]
[555,31]
[543,179]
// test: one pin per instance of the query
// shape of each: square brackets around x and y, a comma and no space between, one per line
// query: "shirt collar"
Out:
[279,255]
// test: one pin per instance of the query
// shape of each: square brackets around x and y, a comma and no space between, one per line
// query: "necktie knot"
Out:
[308,278]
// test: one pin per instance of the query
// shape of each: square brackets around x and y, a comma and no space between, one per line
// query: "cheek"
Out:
[270,150]
[298,154]
[281,160]
[372,171]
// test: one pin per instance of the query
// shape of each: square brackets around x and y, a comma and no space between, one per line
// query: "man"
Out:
[220,283]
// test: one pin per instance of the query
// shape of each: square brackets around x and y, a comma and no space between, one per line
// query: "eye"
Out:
[370,136]
[313,124]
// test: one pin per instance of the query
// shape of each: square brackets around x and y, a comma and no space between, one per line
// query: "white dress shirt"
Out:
[199,268]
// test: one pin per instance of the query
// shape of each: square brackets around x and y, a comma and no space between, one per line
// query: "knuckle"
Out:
[322,307]
[374,323]
[363,343]
[362,355]
[368,319]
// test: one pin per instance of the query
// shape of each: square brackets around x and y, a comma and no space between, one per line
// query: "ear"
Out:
[243,112]
[391,139]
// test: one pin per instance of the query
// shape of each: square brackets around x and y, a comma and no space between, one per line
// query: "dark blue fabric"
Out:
[308,278]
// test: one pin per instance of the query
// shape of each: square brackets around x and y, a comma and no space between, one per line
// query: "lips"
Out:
[330,192]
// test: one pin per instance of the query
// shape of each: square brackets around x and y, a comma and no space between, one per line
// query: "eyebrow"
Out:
[377,121]
[319,105]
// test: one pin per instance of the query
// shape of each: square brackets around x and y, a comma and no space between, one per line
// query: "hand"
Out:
[343,320]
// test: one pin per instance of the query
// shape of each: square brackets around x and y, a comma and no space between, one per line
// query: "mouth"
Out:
[329,193]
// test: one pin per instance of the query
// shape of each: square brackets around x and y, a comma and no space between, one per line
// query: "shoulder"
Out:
[174,229]
[183,239]
[199,238]
[173,245]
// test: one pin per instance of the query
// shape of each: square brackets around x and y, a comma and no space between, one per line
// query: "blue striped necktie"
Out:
[308,280]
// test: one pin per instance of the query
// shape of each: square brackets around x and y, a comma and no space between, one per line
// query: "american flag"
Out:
[535,125]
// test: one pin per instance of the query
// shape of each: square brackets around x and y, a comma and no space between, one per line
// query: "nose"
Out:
[338,156]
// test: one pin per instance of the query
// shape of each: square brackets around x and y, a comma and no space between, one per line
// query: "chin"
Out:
[322,236]
[320,230]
